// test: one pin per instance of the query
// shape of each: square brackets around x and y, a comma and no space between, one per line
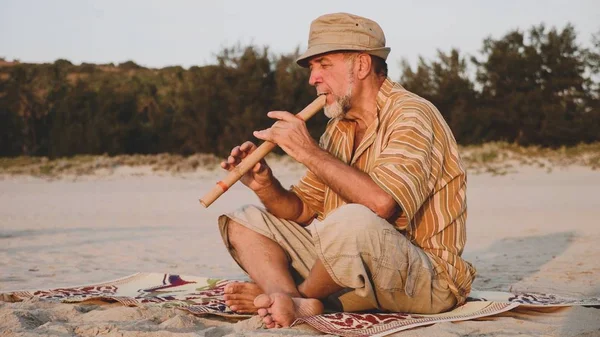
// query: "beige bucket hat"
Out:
[343,31]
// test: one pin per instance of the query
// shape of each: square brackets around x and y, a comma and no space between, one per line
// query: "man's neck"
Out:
[364,105]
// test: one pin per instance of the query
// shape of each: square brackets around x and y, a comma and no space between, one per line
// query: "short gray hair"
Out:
[379,65]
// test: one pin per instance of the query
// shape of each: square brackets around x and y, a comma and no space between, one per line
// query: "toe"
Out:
[228,288]
[263,301]
[234,288]
[268,320]
[245,308]
[229,297]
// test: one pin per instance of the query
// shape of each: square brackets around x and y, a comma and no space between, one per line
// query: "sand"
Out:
[528,230]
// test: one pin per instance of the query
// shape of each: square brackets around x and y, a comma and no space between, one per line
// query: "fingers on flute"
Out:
[237,154]
[235,151]
[248,147]
[283,115]
[227,165]
[231,160]
[260,166]
[265,134]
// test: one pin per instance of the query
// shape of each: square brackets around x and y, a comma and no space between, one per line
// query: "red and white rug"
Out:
[204,296]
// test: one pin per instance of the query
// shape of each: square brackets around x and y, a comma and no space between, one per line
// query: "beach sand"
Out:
[527,231]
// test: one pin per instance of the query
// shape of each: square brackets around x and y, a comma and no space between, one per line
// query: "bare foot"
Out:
[281,310]
[239,297]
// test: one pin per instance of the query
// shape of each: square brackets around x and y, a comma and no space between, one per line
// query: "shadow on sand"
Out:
[507,261]
[515,259]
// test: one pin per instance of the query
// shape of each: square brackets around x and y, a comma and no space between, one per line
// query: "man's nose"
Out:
[315,78]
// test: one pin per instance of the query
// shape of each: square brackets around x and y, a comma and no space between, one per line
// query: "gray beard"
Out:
[341,106]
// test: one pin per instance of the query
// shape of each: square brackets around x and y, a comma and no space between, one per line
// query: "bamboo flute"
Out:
[248,163]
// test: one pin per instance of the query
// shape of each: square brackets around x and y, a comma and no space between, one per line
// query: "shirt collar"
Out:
[382,96]
[384,93]
[347,127]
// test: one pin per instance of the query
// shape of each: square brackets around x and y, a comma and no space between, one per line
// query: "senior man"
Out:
[385,183]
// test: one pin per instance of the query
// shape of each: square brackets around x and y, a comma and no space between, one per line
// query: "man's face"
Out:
[332,74]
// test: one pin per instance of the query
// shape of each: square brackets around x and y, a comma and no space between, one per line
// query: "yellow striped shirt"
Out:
[410,152]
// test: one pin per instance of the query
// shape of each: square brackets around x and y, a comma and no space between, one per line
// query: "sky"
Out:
[157,33]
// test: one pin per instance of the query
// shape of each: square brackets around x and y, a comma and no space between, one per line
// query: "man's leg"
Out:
[263,259]
[363,252]
[263,246]
[266,263]
[280,309]
[318,284]
[349,239]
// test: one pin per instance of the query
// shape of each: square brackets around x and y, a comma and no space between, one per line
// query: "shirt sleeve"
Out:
[403,168]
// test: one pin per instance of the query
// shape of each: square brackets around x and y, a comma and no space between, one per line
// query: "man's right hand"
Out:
[257,178]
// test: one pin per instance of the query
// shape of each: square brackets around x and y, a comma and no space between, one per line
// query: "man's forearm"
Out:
[281,202]
[350,183]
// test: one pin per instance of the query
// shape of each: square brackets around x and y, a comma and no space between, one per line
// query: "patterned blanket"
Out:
[202,296]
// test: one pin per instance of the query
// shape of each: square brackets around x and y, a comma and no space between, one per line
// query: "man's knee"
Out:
[354,218]
[233,231]
[349,242]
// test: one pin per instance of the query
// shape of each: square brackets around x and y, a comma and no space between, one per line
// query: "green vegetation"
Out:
[538,88]
[535,88]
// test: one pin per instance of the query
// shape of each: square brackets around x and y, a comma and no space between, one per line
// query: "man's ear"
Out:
[363,61]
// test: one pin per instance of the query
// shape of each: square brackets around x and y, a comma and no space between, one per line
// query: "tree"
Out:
[535,91]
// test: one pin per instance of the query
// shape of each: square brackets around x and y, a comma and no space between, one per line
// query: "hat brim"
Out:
[327,48]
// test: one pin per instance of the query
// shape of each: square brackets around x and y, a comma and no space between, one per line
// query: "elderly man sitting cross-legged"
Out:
[385,182]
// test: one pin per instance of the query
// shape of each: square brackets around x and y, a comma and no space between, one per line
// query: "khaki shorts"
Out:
[378,267]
